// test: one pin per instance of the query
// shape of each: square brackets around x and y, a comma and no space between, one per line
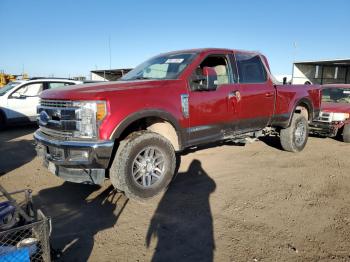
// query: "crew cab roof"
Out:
[201,50]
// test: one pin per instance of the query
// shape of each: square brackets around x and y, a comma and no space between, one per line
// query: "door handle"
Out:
[269,94]
[235,94]
[232,94]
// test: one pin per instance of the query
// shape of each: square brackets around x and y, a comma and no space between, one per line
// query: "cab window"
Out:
[250,68]
[219,66]
[336,95]
[53,85]
[29,90]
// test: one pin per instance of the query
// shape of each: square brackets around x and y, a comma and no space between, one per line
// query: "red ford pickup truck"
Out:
[334,117]
[130,130]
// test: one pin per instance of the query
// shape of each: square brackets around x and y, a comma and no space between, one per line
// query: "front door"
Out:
[212,109]
[22,103]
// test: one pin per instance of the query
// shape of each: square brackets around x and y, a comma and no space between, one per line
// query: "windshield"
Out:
[161,67]
[8,87]
[336,95]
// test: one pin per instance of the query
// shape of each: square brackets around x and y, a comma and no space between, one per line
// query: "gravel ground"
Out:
[227,203]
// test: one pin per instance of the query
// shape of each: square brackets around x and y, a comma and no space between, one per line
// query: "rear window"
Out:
[250,68]
[336,95]
[53,85]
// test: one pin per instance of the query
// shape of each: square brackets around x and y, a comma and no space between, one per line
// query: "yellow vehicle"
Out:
[6,78]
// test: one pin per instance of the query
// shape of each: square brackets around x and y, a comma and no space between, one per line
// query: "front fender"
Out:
[149,113]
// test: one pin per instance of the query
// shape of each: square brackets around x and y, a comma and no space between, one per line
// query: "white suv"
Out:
[19,99]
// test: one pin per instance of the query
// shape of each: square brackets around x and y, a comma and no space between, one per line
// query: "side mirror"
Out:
[211,77]
[207,81]
[18,96]
[284,80]
[199,79]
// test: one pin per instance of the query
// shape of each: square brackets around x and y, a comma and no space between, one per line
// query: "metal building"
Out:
[335,71]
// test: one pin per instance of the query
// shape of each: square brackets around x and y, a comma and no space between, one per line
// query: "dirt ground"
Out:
[227,203]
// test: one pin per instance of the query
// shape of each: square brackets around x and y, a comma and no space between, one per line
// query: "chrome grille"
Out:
[56,133]
[57,118]
[56,103]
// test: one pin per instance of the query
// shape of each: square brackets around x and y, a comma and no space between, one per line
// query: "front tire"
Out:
[143,166]
[346,133]
[294,138]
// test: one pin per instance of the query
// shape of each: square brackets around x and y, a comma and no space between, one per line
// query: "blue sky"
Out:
[69,38]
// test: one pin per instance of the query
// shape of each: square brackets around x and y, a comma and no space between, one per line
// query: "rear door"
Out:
[211,111]
[256,91]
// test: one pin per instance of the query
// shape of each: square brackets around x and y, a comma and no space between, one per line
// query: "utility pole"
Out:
[110,53]
[295,46]
[294,59]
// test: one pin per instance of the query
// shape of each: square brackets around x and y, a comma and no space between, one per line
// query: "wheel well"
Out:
[304,110]
[2,117]
[154,124]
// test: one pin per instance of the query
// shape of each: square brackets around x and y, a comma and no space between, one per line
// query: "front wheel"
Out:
[143,166]
[346,133]
[294,138]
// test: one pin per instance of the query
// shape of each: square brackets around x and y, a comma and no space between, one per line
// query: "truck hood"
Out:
[336,107]
[99,91]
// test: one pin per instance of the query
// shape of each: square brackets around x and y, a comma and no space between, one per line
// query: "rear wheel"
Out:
[143,166]
[294,138]
[346,133]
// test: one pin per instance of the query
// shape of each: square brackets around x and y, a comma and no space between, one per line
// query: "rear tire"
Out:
[346,133]
[143,166]
[294,138]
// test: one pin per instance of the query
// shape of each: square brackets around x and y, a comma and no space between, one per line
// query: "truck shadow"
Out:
[13,132]
[272,141]
[14,152]
[210,145]
[182,222]
[76,217]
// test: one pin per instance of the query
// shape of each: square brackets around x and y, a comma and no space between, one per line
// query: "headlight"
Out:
[339,117]
[89,116]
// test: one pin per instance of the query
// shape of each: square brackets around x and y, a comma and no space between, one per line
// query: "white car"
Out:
[19,99]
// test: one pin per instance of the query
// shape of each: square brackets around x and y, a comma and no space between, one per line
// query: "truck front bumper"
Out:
[325,128]
[75,161]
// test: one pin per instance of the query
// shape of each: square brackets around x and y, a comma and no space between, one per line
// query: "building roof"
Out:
[340,62]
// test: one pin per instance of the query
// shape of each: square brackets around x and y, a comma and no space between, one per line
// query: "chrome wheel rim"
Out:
[148,167]
[300,134]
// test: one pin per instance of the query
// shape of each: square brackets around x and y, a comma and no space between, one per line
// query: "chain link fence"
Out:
[21,240]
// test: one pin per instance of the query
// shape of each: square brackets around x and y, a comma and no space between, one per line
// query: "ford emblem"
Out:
[44,118]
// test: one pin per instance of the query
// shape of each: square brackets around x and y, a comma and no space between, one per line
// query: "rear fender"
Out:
[305,102]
